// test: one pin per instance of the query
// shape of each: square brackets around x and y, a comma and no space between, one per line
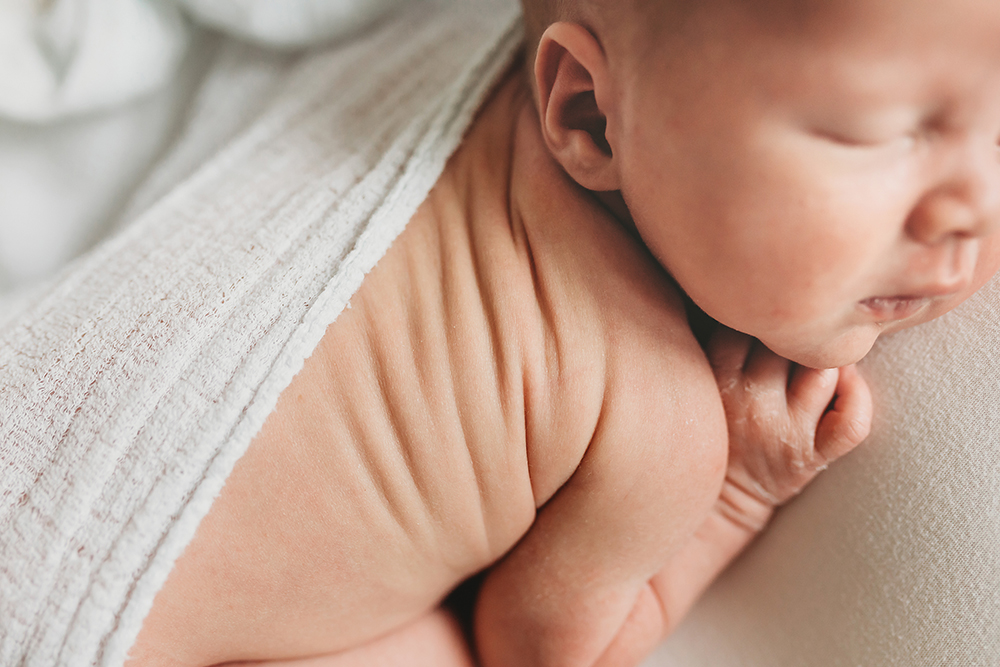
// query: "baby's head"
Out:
[811,172]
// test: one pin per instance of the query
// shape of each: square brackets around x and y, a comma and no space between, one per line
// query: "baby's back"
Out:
[513,332]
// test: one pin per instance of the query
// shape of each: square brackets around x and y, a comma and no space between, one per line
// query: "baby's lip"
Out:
[893,308]
[904,306]
[931,290]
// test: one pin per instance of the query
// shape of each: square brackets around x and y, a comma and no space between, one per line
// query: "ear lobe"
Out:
[570,69]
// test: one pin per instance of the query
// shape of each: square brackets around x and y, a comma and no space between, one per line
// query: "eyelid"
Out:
[874,128]
[845,139]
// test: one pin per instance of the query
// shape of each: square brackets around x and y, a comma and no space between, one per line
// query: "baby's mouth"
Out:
[895,308]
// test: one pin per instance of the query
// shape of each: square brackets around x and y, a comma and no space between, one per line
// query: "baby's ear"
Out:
[572,78]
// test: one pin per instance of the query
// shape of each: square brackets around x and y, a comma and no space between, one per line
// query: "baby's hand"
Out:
[786,424]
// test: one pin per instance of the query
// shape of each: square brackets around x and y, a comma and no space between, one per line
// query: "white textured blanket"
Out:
[130,385]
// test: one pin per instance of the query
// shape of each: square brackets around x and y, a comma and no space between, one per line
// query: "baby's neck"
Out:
[510,117]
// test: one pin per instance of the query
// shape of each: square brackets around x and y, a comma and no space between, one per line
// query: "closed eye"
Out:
[893,126]
[861,141]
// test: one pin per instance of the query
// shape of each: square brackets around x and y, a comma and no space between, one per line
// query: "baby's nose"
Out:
[965,201]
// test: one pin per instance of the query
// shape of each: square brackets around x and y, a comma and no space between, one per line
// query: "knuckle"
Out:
[855,430]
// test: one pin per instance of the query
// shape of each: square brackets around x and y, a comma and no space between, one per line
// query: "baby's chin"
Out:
[844,350]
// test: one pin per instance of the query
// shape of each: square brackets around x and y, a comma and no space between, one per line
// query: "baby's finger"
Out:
[727,353]
[849,421]
[810,391]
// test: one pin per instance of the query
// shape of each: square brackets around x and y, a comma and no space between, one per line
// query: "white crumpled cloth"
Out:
[91,92]
[65,57]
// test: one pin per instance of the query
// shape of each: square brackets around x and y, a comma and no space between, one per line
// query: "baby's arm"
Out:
[651,473]
[786,424]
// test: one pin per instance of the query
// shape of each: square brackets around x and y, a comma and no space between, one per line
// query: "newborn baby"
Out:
[518,385]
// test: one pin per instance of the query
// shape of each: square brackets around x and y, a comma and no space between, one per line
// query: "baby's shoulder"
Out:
[577,316]
[653,367]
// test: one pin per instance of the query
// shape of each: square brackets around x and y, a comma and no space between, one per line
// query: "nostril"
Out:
[965,201]
[941,215]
